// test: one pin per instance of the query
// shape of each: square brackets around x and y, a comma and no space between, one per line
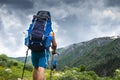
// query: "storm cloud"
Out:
[112,3]
[72,20]
[18,4]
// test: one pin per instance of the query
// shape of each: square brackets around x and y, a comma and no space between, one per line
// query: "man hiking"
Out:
[39,61]
[39,40]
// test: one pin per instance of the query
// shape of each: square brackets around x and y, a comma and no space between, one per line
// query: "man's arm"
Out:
[54,44]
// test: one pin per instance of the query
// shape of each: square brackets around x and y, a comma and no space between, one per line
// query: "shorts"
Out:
[39,59]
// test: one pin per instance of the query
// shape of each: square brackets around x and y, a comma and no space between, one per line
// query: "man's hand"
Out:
[53,52]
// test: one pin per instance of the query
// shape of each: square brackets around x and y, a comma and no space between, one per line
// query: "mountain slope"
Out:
[22,59]
[75,51]
[94,54]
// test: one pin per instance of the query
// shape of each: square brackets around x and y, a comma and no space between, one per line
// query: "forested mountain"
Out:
[100,54]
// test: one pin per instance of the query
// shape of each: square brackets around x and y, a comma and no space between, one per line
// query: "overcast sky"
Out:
[73,21]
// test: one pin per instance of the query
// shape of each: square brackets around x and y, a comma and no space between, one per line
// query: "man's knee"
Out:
[42,73]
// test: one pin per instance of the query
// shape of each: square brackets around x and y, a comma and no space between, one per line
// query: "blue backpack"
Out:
[39,38]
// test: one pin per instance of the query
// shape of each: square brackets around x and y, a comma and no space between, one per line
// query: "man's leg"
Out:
[35,73]
[39,59]
[41,73]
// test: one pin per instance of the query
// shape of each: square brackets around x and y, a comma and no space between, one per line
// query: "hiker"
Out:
[39,40]
[38,58]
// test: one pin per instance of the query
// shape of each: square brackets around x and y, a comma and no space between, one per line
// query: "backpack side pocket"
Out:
[48,41]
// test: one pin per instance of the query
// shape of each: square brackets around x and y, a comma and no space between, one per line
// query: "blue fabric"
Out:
[39,59]
[48,41]
[48,28]
[30,27]
[28,34]
[54,62]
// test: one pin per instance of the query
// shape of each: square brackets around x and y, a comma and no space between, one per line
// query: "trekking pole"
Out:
[24,64]
[51,67]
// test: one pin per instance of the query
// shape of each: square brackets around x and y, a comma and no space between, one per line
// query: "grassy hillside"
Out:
[13,71]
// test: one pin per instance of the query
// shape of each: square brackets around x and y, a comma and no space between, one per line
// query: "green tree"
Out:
[3,57]
[3,60]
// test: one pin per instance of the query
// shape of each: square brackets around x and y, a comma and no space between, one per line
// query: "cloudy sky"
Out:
[73,21]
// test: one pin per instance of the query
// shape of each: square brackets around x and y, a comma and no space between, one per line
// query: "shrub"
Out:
[3,63]
[29,67]
[67,76]
[3,57]
[117,74]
